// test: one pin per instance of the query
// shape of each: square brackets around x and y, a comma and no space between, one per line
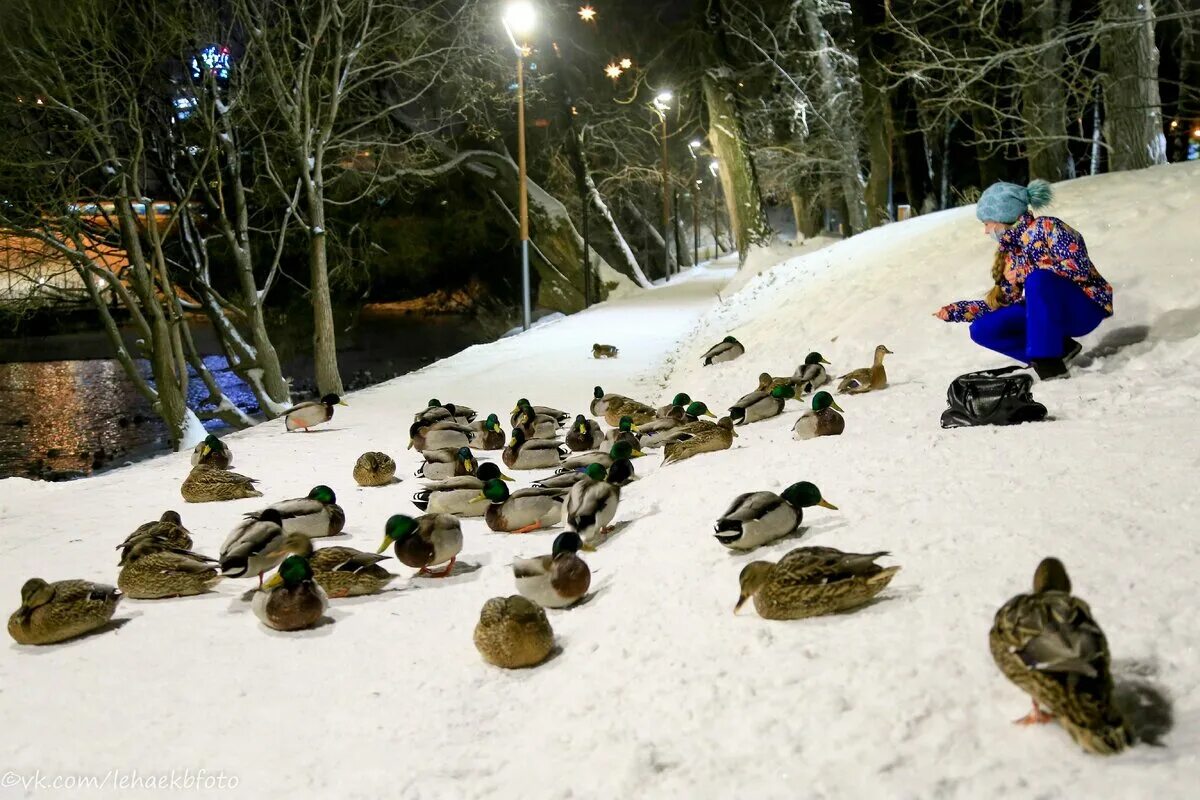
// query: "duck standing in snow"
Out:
[699,437]
[254,546]
[306,415]
[822,420]
[424,542]
[523,453]
[487,435]
[151,569]
[522,511]
[513,632]
[341,571]
[867,379]
[375,469]
[811,374]
[727,349]
[1050,646]
[558,580]
[591,504]
[604,351]
[315,515]
[454,495]
[291,600]
[442,435]
[757,518]
[212,452]
[55,612]
[810,581]
[206,484]
[585,434]
[761,405]
[448,463]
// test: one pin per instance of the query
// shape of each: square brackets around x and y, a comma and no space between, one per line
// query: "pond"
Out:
[67,408]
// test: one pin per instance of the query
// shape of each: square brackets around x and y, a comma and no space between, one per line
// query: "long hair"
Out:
[999,264]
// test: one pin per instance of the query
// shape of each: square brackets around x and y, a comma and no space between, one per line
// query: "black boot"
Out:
[1048,369]
[1071,349]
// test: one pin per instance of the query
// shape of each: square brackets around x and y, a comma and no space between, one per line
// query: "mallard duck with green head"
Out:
[443,435]
[625,431]
[291,600]
[522,511]
[536,426]
[56,612]
[822,420]
[316,515]
[727,349]
[206,484]
[151,569]
[341,571]
[212,452]
[254,546]
[449,463]
[513,632]
[558,414]
[761,405]
[621,473]
[1049,645]
[618,451]
[525,453]
[436,411]
[867,379]
[757,518]
[454,495]
[303,416]
[810,581]
[584,435]
[767,382]
[591,505]
[488,434]
[811,374]
[601,399]
[679,401]
[658,432]
[374,468]
[558,580]
[425,541]
[699,437]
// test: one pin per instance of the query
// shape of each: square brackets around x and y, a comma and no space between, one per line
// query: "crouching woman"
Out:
[1046,292]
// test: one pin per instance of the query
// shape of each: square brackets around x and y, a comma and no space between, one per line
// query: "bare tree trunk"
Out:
[1132,107]
[614,230]
[870,36]
[743,200]
[1044,109]
[329,379]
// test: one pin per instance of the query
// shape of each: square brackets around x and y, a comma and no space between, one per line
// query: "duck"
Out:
[867,379]
[822,420]
[375,469]
[168,528]
[699,437]
[585,434]
[727,349]
[761,405]
[436,410]
[1051,647]
[425,541]
[522,511]
[621,473]
[439,435]
[315,412]
[523,453]
[559,415]
[637,411]
[679,401]
[291,600]
[316,515]
[454,495]
[513,633]
[55,612]
[487,435]
[212,452]
[254,546]
[601,399]
[536,426]
[810,581]
[618,451]
[448,463]
[658,432]
[625,431]
[811,374]
[341,571]
[757,518]
[591,504]
[151,569]
[558,580]
[767,382]
[205,484]
[604,351]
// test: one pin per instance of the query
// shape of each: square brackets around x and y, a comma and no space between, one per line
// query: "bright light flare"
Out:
[695,143]
[587,13]
[626,63]
[663,100]
[520,17]
[612,71]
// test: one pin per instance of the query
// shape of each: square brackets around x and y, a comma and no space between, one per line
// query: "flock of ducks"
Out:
[1046,642]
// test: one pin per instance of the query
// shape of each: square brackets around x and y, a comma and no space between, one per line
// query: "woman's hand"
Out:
[943,314]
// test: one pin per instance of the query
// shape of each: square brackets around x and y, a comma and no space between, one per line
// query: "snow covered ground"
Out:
[660,691]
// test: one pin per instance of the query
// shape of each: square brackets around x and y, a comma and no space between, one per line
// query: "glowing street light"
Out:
[663,100]
[661,103]
[612,71]
[519,20]
[625,63]
[587,13]
[693,146]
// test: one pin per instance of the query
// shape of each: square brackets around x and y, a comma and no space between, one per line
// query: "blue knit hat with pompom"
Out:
[1005,202]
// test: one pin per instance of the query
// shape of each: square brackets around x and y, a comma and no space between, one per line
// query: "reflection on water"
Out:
[79,413]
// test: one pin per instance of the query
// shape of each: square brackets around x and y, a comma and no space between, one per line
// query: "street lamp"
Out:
[662,102]
[693,146]
[519,20]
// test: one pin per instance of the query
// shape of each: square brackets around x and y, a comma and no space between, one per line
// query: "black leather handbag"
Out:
[992,397]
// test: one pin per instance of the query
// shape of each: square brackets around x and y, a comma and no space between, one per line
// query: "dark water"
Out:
[68,409]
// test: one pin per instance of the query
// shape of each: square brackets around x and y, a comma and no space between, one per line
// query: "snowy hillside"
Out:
[659,690]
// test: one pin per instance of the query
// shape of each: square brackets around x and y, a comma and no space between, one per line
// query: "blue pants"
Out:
[1054,310]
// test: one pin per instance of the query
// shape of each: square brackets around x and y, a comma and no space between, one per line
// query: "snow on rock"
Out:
[660,691]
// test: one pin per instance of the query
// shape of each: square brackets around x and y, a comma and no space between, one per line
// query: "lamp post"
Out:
[693,146]
[519,19]
[661,103]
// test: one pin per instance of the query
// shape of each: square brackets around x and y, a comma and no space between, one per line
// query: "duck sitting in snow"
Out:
[536,426]
[558,580]
[168,528]
[699,437]
[374,468]
[488,434]
[1050,646]
[604,351]
[523,453]
[437,411]
[448,463]
[206,484]
[621,473]
[626,431]
[523,511]
[867,379]
[757,518]
[822,420]
[291,600]
[212,452]
[657,432]
[152,569]
[513,632]
[810,581]
[811,374]
[761,405]
[679,401]
[591,504]
[454,495]
[307,415]
[317,514]
[341,571]
[424,542]
[585,434]
[618,451]
[55,612]
[601,399]
[439,435]
[767,382]
[559,415]
[727,349]
[637,411]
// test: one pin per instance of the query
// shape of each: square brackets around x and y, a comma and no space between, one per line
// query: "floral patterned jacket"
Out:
[1041,243]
